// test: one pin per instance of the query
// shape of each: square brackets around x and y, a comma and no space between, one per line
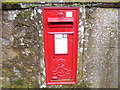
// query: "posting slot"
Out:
[60,24]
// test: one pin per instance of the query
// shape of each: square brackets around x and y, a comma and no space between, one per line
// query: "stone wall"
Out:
[22,41]
[23,57]
[100,44]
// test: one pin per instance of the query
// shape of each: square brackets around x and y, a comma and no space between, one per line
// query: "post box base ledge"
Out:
[60,83]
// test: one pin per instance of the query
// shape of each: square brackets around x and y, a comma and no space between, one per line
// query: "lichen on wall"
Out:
[22,47]
[100,58]
[23,53]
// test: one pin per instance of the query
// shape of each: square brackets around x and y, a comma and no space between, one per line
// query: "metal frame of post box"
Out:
[75,44]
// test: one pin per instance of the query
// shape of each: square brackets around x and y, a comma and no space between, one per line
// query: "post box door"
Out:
[60,54]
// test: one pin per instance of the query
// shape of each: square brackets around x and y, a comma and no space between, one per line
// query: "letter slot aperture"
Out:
[60,22]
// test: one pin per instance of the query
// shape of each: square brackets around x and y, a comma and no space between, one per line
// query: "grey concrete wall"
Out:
[23,57]
[100,47]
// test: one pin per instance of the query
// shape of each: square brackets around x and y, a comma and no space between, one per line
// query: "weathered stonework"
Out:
[100,56]
[23,54]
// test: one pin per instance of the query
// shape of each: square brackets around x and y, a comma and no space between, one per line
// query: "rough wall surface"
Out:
[22,46]
[100,54]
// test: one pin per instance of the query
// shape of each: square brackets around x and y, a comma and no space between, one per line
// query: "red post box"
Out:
[60,44]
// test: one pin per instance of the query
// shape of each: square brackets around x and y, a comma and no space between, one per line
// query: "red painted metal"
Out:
[60,68]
